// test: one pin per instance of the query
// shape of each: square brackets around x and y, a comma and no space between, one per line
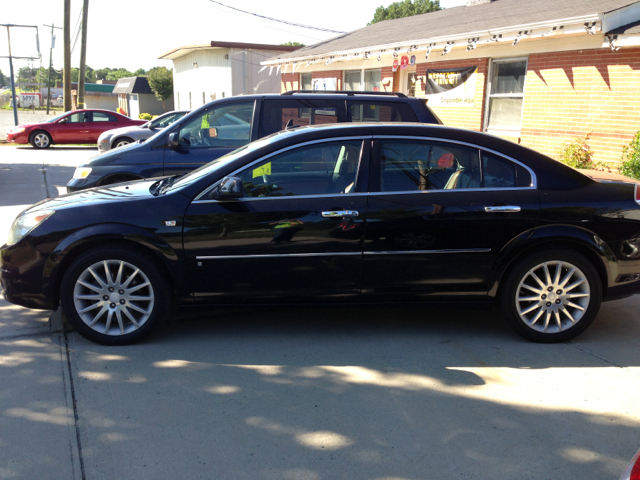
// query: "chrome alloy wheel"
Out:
[122,143]
[41,140]
[113,297]
[552,296]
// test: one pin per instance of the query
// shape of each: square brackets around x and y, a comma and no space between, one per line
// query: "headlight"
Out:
[25,223]
[18,130]
[81,172]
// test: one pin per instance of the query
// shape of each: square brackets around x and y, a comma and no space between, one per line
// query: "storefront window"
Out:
[352,80]
[506,94]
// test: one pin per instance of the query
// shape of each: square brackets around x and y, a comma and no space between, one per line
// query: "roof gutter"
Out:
[587,24]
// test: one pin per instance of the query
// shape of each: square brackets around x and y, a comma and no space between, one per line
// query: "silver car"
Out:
[123,136]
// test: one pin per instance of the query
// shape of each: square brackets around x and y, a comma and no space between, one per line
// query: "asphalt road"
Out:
[309,393]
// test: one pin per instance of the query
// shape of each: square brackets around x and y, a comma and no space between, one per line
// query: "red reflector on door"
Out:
[637,193]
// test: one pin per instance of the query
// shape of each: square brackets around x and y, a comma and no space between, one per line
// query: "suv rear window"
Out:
[359,111]
[316,111]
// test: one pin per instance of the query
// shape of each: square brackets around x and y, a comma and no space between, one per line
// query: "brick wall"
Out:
[466,116]
[386,76]
[569,94]
[289,81]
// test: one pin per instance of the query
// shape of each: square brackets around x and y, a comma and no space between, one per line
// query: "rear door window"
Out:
[360,111]
[277,113]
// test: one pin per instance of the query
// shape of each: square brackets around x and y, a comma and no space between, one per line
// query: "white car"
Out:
[119,137]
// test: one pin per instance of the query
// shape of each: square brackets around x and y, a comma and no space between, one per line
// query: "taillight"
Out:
[633,470]
[637,194]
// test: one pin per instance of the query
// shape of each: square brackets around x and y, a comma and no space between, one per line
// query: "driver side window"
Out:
[326,168]
[225,126]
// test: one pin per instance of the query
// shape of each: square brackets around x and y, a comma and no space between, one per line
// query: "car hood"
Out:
[122,130]
[122,192]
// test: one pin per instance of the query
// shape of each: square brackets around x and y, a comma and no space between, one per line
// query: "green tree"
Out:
[118,73]
[293,44]
[3,80]
[405,8]
[161,82]
[89,74]
[141,72]
[44,77]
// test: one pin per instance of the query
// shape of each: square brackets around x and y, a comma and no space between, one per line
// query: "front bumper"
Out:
[76,184]
[21,278]
[21,138]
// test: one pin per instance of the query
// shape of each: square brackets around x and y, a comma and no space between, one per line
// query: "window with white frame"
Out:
[305,81]
[506,94]
[359,80]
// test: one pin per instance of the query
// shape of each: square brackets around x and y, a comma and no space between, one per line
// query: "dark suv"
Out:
[226,124]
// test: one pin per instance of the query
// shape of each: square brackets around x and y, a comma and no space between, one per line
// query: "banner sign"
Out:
[451,87]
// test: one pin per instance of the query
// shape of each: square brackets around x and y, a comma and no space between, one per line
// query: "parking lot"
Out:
[402,393]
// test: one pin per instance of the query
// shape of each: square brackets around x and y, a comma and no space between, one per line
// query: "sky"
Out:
[132,34]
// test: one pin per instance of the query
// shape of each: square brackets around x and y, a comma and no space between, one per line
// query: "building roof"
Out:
[181,51]
[486,18]
[132,85]
[629,29]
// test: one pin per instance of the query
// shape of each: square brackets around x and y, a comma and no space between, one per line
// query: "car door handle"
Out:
[340,213]
[502,209]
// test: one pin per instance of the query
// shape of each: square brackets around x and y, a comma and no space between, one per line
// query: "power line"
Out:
[293,24]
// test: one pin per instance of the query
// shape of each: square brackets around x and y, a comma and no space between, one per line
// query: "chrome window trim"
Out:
[286,149]
[534,178]
[333,254]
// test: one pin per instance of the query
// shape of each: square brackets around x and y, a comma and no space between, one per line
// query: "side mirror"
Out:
[64,120]
[230,187]
[173,142]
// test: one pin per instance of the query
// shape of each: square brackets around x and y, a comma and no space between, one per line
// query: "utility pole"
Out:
[53,41]
[83,55]
[66,72]
[11,57]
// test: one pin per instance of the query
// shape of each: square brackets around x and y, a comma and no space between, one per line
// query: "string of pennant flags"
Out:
[405,60]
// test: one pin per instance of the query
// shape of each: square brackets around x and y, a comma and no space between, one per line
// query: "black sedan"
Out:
[352,213]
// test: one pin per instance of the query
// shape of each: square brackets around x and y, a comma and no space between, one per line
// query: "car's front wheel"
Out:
[40,139]
[122,141]
[114,295]
[551,296]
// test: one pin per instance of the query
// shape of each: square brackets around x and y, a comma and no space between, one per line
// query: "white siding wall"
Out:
[212,77]
[148,103]
[247,65]
[104,102]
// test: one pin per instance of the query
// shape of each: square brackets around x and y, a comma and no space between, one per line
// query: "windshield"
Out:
[211,167]
[56,118]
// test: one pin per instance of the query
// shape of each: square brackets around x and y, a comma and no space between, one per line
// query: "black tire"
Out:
[543,315]
[119,142]
[121,318]
[40,139]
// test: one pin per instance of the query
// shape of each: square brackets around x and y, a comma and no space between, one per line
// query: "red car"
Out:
[77,126]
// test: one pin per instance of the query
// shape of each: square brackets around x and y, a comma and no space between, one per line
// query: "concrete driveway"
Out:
[309,393]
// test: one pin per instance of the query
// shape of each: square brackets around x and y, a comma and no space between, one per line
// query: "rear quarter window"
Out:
[359,111]
[277,113]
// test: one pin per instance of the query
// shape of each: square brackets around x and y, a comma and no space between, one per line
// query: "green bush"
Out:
[577,153]
[631,158]
[145,116]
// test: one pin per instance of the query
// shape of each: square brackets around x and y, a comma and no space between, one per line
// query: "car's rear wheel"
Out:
[551,296]
[122,141]
[114,296]
[40,139]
